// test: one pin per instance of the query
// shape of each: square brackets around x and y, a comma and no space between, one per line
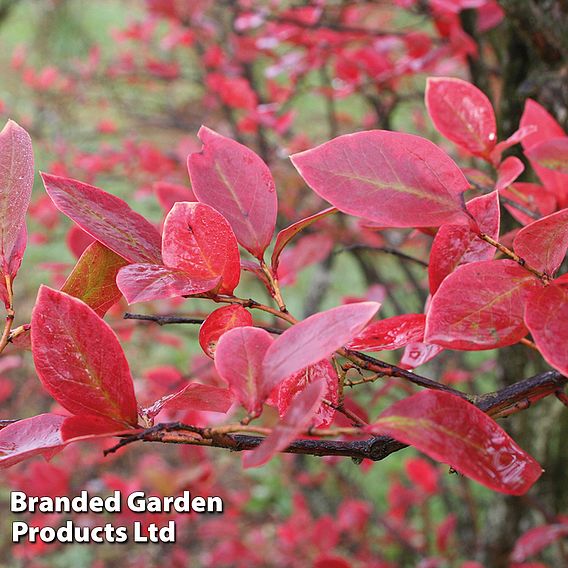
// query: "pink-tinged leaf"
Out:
[529,196]
[169,194]
[416,354]
[455,245]
[147,282]
[93,280]
[13,263]
[291,387]
[390,333]
[238,359]
[480,306]
[315,338]
[16,181]
[547,128]
[287,234]
[194,396]
[453,431]
[462,113]
[546,316]
[106,218]
[551,154]
[517,136]
[536,539]
[309,250]
[79,360]
[231,178]
[299,417]
[509,170]
[199,241]
[220,321]
[88,426]
[32,436]
[390,178]
[543,243]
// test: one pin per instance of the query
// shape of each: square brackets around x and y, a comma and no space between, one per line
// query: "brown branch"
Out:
[387,250]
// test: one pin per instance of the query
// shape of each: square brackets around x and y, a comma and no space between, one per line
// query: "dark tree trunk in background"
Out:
[532,48]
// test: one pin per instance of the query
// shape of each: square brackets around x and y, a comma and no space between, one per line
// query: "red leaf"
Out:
[536,539]
[531,196]
[394,179]
[480,306]
[535,115]
[462,113]
[546,316]
[170,193]
[238,359]
[416,354]
[146,282]
[451,430]
[551,154]
[78,241]
[315,338]
[79,360]
[194,396]
[32,436]
[106,218]
[299,416]
[509,170]
[93,280]
[287,234]
[543,243]
[199,241]
[390,333]
[235,181]
[455,245]
[220,321]
[517,136]
[291,387]
[16,181]
[88,426]
[11,263]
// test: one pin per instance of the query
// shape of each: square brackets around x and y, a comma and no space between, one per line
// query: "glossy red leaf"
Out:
[453,431]
[529,196]
[287,391]
[12,262]
[93,280]
[238,359]
[194,396]
[199,241]
[480,306]
[509,170]
[546,316]
[390,178]
[89,426]
[455,245]
[146,282]
[231,178]
[220,321]
[16,181]
[462,113]
[107,218]
[79,360]
[29,437]
[287,234]
[543,243]
[78,241]
[298,418]
[551,154]
[536,539]
[390,333]
[517,136]
[315,338]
